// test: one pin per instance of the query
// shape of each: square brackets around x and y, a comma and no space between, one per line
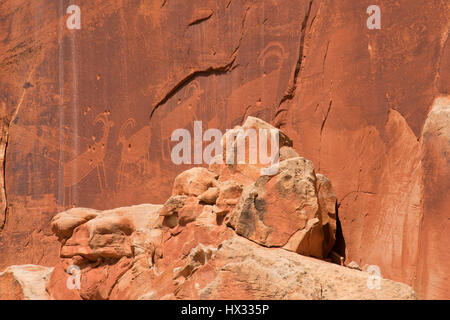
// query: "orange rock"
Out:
[350,99]
[209,196]
[229,194]
[194,182]
[25,282]
[327,207]
[64,223]
[284,211]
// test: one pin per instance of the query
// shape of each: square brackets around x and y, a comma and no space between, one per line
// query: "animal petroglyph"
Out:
[181,117]
[135,148]
[75,170]
[261,91]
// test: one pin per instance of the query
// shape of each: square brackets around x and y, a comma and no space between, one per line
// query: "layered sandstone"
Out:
[86,115]
[25,282]
[197,244]
[103,245]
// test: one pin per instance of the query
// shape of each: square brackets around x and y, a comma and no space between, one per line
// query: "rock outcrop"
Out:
[214,238]
[284,210]
[25,282]
[87,115]
[242,265]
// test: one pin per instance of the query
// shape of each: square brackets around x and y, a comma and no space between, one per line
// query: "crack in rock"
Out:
[290,92]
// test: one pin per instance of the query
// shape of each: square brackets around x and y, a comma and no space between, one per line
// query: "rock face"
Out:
[185,249]
[284,211]
[102,247]
[25,282]
[87,115]
[435,157]
[296,277]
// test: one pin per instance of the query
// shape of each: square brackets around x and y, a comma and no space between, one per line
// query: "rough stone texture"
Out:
[86,115]
[283,210]
[205,260]
[185,249]
[102,248]
[24,282]
[433,268]
[358,113]
[242,148]
[64,222]
[108,234]
[194,182]
[212,268]
[288,276]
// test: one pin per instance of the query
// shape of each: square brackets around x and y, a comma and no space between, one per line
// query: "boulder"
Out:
[249,271]
[194,182]
[285,210]
[209,196]
[110,233]
[63,223]
[229,194]
[244,146]
[357,108]
[180,210]
[25,282]
[327,206]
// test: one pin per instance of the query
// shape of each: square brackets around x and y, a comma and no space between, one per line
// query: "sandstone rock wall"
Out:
[185,249]
[359,103]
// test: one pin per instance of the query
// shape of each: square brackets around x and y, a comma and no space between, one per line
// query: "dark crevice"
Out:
[351,192]
[201,19]
[321,130]
[326,117]
[3,148]
[220,70]
[290,92]
[191,77]
[339,245]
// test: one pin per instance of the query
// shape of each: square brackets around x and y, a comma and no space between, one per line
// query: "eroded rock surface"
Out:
[197,244]
[283,210]
[25,282]
[87,115]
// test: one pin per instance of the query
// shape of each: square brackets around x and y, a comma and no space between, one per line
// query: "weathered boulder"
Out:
[108,234]
[209,196]
[287,153]
[194,182]
[240,268]
[63,223]
[285,210]
[76,278]
[104,248]
[229,194]
[180,210]
[327,206]
[247,271]
[24,282]
[248,150]
[350,99]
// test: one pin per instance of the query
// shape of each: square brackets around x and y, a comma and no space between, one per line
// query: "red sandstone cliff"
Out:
[232,230]
[87,114]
